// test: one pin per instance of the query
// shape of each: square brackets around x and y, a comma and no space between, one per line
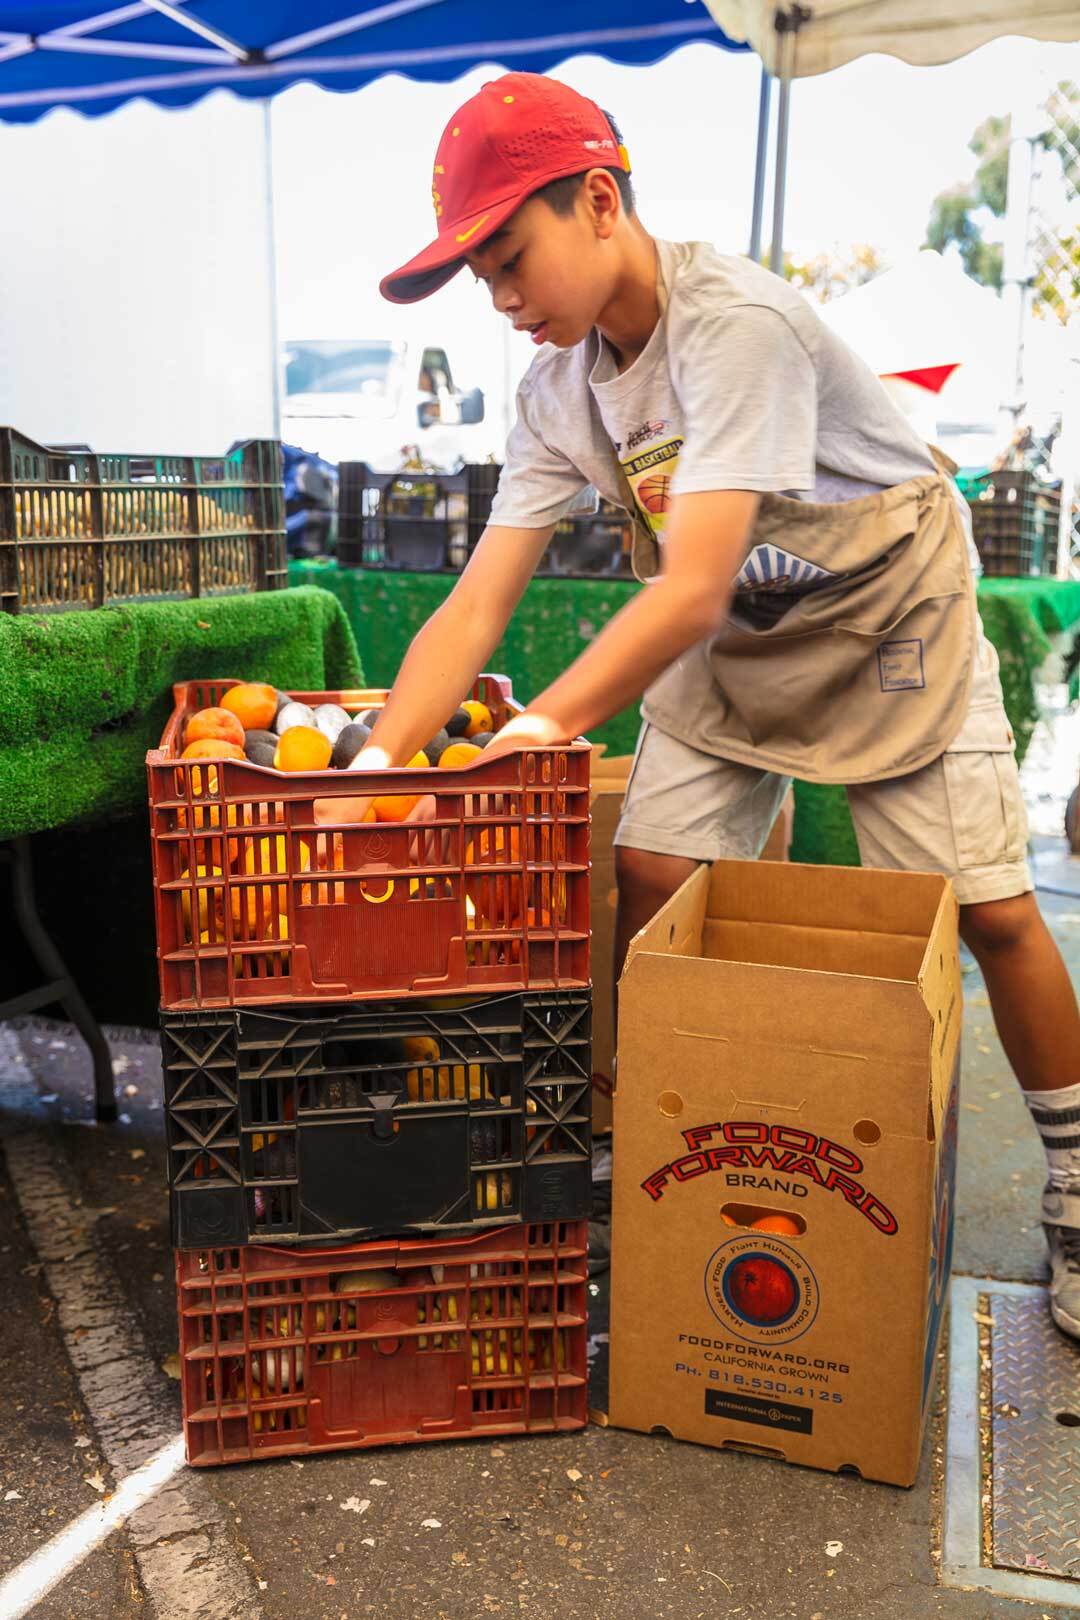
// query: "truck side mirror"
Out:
[472,407]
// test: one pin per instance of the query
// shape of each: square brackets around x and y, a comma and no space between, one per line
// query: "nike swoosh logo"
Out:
[463,236]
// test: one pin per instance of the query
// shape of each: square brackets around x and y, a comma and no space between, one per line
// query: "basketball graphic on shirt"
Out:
[650,474]
[654,493]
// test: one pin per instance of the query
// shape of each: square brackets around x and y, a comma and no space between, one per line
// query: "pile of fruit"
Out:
[257,723]
[266,727]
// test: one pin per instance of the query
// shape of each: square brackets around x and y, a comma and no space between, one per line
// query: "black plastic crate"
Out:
[596,546]
[1014,519]
[427,522]
[86,530]
[295,1123]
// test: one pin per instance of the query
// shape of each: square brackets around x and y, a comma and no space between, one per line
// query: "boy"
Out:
[814,614]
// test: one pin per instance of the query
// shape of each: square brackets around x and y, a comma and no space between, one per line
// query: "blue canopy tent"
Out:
[74,53]
[92,60]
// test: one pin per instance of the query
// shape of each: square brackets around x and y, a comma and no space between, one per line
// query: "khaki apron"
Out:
[866,676]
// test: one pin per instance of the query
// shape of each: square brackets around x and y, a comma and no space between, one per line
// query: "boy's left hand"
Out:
[528,730]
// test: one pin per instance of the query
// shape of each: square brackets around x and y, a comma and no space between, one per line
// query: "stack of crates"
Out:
[377,1061]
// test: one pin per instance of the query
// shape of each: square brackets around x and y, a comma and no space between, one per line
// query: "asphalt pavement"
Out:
[580,1527]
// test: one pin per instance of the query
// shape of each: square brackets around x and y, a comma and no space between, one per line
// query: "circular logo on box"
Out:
[760,1288]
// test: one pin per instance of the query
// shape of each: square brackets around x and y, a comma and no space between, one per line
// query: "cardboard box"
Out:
[789,1043]
[607,786]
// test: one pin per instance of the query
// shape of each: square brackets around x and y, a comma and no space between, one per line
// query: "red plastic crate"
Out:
[281,1353]
[256,902]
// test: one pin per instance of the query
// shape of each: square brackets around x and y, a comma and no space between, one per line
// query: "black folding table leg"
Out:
[60,986]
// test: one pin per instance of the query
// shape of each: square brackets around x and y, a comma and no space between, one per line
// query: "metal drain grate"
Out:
[1012,1488]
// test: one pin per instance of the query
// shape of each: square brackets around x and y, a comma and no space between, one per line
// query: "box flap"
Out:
[941,990]
[677,926]
[852,898]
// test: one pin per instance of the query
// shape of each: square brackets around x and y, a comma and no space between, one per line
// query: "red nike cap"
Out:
[517,134]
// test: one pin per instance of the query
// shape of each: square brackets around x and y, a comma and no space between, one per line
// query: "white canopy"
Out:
[923,314]
[832,32]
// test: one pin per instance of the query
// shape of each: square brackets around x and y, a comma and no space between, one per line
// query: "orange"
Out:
[396,806]
[254,705]
[480,718]
[494,846]
[302,748]
[460,753]
[211,904]
[728,1220]
[212,748]
[777,1223]
[214,723]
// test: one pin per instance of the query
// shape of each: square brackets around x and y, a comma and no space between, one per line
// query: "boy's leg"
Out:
[683,807]
[963,815]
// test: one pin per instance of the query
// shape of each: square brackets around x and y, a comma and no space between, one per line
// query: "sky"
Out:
[871,145]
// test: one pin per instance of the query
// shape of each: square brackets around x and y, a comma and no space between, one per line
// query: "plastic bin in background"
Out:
[256,902]
[1014,519]
[307,1350]
[81,530]
[303,1123]
[426,522]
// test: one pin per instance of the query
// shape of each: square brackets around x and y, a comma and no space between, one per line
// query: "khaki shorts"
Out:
[962,815]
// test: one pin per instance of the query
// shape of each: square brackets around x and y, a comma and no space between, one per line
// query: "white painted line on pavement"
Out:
[45,1568]
[187,1559]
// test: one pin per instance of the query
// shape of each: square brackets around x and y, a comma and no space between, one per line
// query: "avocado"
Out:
[259,747]
[481,738]
[348,744]
[437,746]
[458,723]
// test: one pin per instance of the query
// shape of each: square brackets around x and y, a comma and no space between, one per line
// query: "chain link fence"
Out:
[1053,291]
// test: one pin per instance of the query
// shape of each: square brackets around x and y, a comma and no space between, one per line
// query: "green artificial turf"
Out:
[84,695]
[555,622]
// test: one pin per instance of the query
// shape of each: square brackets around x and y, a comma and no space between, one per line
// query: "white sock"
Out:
[1057,1120]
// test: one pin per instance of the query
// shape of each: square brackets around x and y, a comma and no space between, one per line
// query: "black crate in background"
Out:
[432,522]
[426,522]
[298,1123]
[597,546]
[1014,519]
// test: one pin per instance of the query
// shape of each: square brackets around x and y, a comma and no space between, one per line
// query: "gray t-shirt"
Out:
[741,386]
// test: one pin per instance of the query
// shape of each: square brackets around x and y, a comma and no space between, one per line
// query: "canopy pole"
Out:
[776,251]
[787,25]
[271,267]
[760,163]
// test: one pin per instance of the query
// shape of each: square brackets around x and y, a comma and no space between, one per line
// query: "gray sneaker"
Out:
[1061,1223]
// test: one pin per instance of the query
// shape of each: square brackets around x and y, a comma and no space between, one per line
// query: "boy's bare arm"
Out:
[451,649]
[705,544]
[447,654]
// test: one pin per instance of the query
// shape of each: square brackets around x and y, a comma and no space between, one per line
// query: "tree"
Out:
[954,213]
[828,274]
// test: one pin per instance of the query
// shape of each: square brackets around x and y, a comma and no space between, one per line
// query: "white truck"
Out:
[371,399]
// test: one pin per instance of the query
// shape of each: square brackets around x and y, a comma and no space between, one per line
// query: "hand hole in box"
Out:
[763,1218]
[670,1103]
[671,935]
[867,1132]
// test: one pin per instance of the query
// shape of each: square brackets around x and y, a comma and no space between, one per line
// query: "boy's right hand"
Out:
[348,812]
